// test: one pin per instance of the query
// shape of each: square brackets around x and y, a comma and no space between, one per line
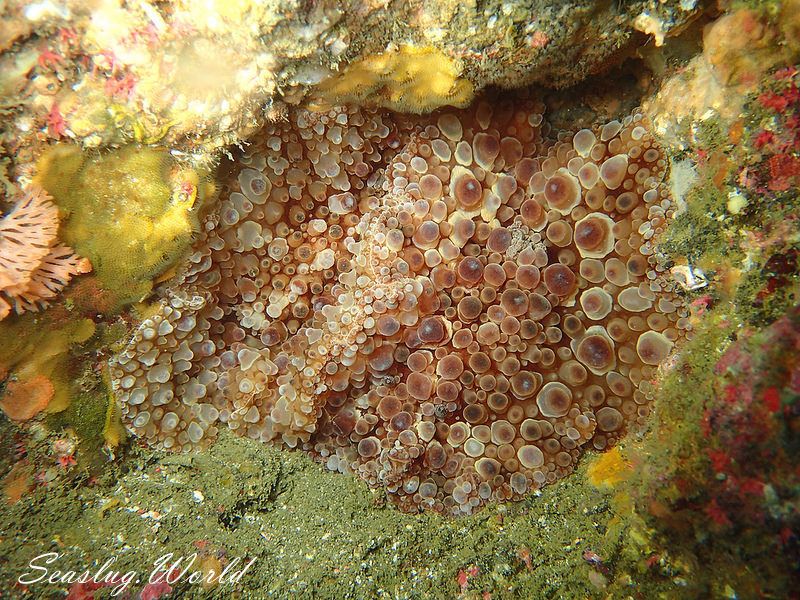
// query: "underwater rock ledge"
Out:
[197,78]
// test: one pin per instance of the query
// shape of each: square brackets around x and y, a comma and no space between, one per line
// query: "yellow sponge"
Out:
[410,79]
[132,211]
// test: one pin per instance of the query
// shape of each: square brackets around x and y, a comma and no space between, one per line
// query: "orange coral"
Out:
[32,269]
[23,400]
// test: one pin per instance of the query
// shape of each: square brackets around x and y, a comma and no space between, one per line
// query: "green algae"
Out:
[699,233]
[315,534]
[668,492]
[742,249]
[86,415]
[749,254]
[681,400]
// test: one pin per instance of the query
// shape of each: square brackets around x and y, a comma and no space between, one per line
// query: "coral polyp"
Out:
[451,307]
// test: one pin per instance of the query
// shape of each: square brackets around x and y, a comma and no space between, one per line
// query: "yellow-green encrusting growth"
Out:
[408,79]
[38,346]
[132,211]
